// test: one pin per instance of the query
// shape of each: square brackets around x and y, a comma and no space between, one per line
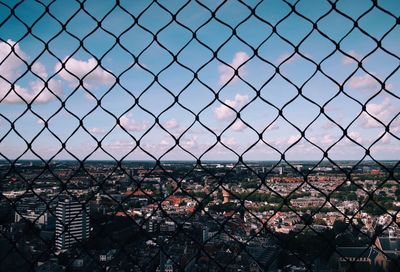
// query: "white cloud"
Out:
[39,69]
[121,145]
[348,60]
[90,71]
[292,139]
[387,151]
[327,140]
[97,131]
[171,124]
[363,82]
[356,136]
[10,69]
[231,142]
[239,126]
[395,125]
[165,143]
[288,58]
[89,97]
[328,125]
[282,143]
[223,112]
[12,60]
[132,125]
[324,140]
[386,139]
[226,72]
[190,144]
[384,112]
[274,126]
[285,56]
[35,91]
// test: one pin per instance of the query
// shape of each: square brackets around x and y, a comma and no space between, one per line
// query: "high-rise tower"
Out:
[72,223]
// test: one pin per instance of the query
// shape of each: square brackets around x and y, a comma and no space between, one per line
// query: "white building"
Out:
[72,223]
[37,218]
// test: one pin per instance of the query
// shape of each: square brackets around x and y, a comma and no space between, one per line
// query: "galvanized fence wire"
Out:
[119,164]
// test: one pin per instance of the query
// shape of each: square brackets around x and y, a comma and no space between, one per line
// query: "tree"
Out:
[339,226]
[397,193]
[169,189]
[307,219]
[319,221]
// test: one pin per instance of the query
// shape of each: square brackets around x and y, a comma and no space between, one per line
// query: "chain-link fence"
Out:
[199,135]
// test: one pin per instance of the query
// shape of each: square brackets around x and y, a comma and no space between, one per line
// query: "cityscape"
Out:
[199,135]
[185,216]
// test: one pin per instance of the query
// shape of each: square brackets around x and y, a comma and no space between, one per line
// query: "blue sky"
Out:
[255,51]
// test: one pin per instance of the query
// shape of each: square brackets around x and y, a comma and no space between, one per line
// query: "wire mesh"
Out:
[88,208]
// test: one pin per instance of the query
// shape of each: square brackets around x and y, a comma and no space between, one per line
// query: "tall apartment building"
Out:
[72,223]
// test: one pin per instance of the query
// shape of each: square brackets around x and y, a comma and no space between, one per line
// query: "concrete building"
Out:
[72,223]
[226,196]
[37,218]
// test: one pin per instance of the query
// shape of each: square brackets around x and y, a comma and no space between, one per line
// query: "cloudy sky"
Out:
[142,55]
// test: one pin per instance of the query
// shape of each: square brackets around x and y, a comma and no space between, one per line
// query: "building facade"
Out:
[72,223]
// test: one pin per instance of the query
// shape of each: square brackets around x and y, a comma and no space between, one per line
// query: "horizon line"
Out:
[216,160]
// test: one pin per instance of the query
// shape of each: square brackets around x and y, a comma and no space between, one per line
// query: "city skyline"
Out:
[144,219]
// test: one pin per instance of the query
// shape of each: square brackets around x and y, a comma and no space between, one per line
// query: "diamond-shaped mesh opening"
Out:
[199,135]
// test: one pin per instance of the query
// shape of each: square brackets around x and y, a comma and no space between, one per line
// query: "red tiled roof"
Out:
[144,192]
[120,214]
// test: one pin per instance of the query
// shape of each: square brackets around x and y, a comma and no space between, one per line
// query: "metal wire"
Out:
[129,256]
